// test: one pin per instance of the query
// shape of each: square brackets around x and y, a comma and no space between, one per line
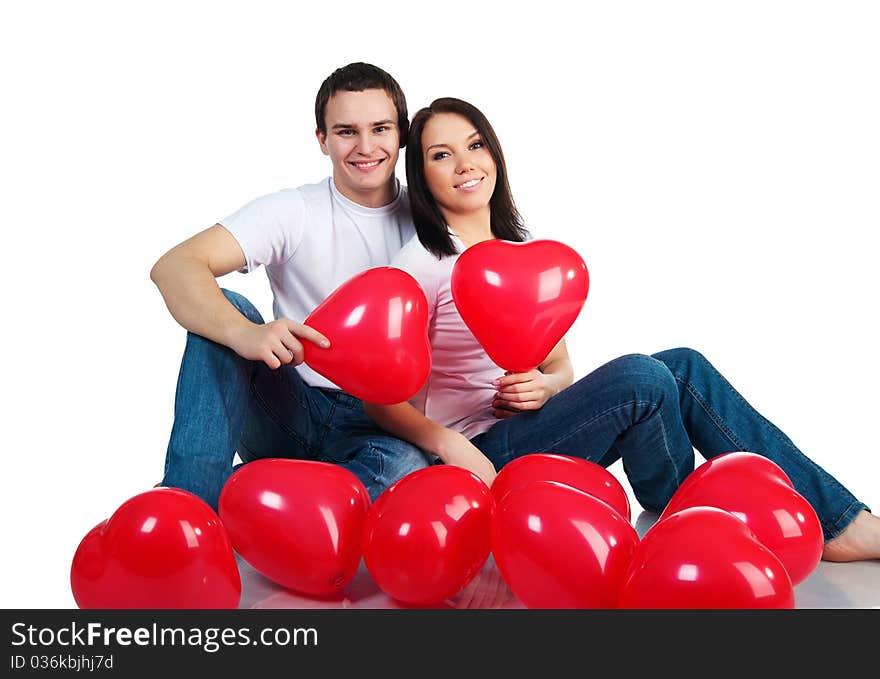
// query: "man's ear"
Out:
[322,140]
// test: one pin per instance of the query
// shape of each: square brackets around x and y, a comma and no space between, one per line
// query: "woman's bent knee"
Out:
[680,356]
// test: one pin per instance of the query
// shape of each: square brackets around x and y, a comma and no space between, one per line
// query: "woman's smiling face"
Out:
[459,170]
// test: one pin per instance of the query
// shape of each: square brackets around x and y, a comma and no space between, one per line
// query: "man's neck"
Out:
[379,197]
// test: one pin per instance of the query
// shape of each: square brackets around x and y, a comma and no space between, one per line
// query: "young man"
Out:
[242,384]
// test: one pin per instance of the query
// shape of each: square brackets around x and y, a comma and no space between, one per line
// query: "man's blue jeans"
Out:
[225,403]
[651,412]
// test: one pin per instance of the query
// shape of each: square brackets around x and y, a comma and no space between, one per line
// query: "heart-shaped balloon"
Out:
[572,471]
[704,557]
[756,465]
[427,535]
[757,491]
[165,548]
[298,522]
[559,547]
[377,324]
[519,299]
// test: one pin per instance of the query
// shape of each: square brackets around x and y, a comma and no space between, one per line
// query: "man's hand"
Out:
[458,450]
[519,392]
[275,343]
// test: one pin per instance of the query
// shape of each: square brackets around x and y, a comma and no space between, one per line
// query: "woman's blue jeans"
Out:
[651,412]
[225,403]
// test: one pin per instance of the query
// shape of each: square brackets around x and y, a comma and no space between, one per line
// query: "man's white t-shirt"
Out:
[311,240]
[459,390]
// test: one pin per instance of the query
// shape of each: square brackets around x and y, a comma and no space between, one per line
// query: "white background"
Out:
[715,163]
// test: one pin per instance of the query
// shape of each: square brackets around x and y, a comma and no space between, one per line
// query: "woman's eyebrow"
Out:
[470,136]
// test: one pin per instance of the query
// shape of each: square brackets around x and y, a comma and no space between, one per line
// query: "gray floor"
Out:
[831,585]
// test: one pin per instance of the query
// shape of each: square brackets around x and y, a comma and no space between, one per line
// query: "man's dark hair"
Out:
[357,77]
[505,220]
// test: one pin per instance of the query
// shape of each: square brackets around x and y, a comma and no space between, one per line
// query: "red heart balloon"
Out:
[427,535]
[757,491]
[298,522]
[559,547]
[377,324]
[164,548]
[571,471]
[704,557]
[757,465]
[519,299]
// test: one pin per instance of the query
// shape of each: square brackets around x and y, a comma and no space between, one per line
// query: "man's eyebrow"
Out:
[345,126]
[470,136]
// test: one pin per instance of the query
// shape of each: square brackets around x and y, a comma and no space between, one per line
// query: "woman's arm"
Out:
[518,392]
[405,422]
[557,367]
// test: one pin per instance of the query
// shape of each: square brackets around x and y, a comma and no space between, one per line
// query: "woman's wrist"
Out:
[443,442]
[553,383]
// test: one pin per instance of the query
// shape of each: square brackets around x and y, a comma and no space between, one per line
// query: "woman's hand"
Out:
[519,392]
[455,448]
[404,421]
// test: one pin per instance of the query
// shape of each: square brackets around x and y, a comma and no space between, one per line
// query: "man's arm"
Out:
[186,277]
[405,422]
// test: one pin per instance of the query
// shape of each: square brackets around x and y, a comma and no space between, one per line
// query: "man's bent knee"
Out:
[243,304]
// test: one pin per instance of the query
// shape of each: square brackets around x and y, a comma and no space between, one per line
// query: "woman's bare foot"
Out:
[858,542]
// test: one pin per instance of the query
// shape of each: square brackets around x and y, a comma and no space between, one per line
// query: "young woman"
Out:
[651,411]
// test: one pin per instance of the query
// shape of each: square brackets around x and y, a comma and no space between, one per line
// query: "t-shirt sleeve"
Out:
[269,229]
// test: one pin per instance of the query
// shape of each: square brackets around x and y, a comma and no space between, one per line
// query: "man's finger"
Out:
[271,360]
[283,354]
[294,349]
[308,333]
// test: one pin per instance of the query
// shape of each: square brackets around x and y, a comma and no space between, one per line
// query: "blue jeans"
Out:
[225,403]
[651,412]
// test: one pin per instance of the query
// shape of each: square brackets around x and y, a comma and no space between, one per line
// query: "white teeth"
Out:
[372,163]
[469,184]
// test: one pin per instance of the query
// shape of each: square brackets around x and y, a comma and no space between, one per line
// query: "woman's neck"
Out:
[471,228]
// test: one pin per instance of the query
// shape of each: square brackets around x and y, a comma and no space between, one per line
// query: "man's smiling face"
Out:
[363,142]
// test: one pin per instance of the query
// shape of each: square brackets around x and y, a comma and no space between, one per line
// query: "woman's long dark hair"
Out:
[505,221]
